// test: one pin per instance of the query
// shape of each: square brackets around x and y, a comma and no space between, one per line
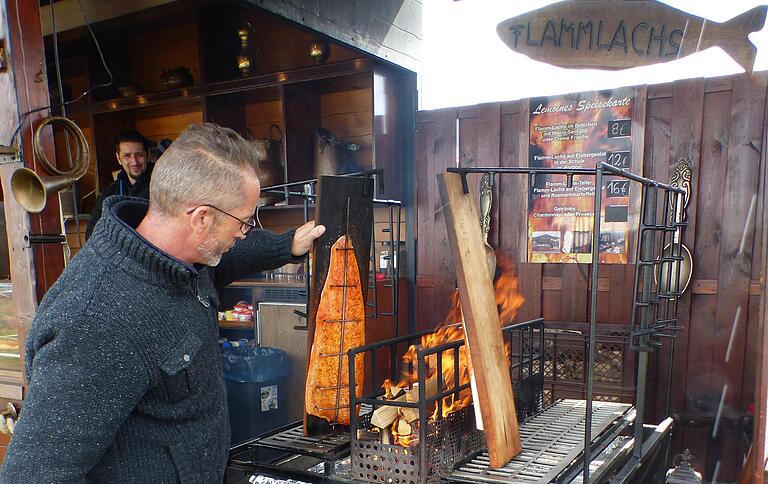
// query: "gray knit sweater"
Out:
[125,380]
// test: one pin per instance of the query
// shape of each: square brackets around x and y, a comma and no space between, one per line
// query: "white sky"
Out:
[465,62]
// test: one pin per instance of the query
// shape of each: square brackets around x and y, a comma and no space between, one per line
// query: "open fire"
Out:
[399,425]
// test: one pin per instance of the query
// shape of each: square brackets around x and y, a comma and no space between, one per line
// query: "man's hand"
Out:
[304,236]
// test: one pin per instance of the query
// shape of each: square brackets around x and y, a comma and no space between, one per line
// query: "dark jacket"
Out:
[122,358]
[121,186]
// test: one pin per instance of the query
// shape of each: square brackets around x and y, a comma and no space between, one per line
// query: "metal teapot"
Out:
[176,77]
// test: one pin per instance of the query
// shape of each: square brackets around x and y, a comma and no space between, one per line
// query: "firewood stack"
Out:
[398,425]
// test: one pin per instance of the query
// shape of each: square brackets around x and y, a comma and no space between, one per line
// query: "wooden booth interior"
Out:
[285,98]
[719,125]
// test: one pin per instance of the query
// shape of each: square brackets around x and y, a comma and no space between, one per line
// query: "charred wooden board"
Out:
[345,206]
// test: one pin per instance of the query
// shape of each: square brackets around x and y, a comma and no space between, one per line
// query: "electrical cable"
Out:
[257,216]
[60,84]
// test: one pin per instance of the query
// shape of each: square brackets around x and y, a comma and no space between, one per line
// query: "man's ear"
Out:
[201,219]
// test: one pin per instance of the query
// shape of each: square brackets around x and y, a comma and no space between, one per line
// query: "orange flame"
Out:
[508,300]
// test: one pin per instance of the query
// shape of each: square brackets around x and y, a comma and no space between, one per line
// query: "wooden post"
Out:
[16,219]
[482,329]
[27,61]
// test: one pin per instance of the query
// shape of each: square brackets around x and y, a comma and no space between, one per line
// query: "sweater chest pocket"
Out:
[178,368]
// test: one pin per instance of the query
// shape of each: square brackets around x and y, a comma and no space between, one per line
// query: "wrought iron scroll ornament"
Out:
[681,178]
[485,210]
[670,281]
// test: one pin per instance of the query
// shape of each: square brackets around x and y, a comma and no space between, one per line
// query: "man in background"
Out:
[132,152]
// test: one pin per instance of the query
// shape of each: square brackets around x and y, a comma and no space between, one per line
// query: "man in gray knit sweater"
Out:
[125,381]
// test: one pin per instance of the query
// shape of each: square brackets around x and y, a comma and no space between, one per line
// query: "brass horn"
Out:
[32,190]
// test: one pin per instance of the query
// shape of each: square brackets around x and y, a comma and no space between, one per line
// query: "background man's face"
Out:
[133,158]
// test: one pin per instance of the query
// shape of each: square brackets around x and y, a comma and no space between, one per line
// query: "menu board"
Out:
[577,131]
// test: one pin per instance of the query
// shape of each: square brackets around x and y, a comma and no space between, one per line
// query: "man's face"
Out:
[227,231]
[133,158]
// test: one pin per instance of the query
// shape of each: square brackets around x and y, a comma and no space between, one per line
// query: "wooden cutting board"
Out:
[345,206]
[482,329]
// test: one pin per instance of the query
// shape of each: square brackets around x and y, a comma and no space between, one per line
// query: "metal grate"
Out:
[448,440]
[327,447]
[284,294]
[551,441]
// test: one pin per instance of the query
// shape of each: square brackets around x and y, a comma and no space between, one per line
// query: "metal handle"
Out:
[486,200]
[681,178]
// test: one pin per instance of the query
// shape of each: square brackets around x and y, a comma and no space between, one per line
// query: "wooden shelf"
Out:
[197,92]
[285,207]
[235,324]
[292,281]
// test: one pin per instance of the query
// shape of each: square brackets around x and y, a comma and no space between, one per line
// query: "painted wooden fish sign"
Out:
[617,34]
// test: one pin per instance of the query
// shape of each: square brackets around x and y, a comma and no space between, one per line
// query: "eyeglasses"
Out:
[245,225]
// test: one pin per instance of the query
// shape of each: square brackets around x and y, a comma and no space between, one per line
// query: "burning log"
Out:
[430,390]
[409,414]
[384,416]
[369,434]
[397,425]
[403,427]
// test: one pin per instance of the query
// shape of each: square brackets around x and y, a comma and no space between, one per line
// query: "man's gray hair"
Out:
[204,165]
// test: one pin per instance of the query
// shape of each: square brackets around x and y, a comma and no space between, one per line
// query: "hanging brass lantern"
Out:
[319,50]
[244,61]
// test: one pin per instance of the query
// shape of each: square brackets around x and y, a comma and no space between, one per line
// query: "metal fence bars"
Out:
[441,440]
[566,354]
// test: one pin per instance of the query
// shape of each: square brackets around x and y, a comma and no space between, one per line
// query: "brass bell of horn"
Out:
[31,190]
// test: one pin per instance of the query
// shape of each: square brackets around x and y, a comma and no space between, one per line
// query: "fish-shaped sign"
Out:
[617,34]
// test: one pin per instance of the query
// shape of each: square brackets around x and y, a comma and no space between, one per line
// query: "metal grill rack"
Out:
[446,440]
[277,450]
[662,221]
[291,438]
[551,440]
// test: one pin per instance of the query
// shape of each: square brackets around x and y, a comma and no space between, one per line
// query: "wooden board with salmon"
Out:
[339,326]
[338,290]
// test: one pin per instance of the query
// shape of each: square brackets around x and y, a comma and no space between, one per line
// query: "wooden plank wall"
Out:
[719,125]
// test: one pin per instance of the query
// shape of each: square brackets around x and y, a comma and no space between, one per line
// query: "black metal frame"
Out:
[647,303]
[527,364]
[393,229]
[327,452]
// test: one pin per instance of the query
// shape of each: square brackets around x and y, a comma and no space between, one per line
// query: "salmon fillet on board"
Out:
[339,326]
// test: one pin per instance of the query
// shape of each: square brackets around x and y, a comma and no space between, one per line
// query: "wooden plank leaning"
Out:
[481,322]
